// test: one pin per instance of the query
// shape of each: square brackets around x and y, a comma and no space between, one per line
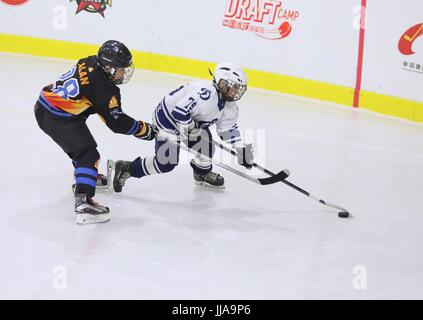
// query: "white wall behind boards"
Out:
[386,69]
[316,40]
[320,46]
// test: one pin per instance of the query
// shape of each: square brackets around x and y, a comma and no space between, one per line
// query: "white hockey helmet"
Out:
[230,81]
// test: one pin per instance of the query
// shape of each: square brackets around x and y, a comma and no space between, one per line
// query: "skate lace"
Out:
[92,202]
[123,177]
[211,177]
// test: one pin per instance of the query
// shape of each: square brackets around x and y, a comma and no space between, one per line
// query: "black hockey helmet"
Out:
[115,59]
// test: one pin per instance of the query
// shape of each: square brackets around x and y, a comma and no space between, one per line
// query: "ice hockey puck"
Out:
[343,214]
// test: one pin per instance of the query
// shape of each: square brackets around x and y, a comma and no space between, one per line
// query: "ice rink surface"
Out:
[169,239]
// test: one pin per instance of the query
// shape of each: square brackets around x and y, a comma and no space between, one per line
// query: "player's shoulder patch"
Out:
[91,66]
[205,90]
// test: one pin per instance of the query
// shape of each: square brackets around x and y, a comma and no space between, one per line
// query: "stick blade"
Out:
[276,178]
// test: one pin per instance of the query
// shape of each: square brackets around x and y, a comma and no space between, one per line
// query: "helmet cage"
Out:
[111,73]
[231,90]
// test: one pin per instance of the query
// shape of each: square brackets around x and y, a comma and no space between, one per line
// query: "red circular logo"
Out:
[285,29]
[14,2]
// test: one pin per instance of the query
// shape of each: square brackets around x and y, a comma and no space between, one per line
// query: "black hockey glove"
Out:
[147,131]
[245,156]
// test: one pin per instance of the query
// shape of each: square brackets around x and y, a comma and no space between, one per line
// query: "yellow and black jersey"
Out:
[85,90]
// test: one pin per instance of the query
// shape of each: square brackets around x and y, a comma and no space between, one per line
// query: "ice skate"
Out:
[211,179]
[120,171]
[87,211]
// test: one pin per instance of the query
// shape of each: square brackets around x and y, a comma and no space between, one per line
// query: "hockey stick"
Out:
[343,213]
[233,152]
[262,181]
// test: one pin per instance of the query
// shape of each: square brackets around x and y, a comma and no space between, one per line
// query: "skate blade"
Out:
[207,185]
[110,171]
[86,218]
[103,187]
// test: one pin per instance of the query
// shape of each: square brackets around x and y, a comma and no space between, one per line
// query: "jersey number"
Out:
[68,74]
[191,105]
[70,87]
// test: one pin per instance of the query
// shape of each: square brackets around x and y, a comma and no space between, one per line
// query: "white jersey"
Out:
[198,102]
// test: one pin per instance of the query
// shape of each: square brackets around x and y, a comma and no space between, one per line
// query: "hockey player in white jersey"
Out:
[187,113]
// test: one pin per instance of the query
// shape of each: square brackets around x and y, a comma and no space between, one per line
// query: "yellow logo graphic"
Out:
[113,103]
